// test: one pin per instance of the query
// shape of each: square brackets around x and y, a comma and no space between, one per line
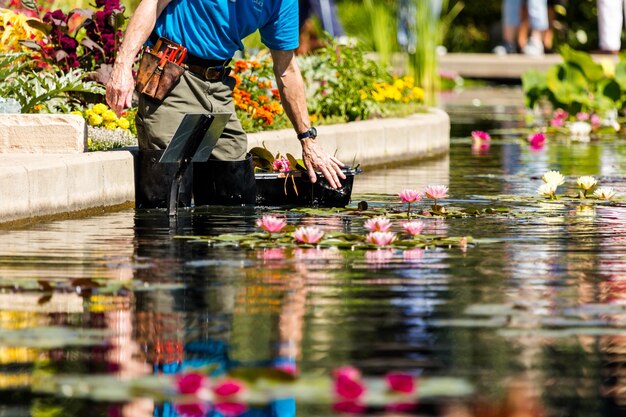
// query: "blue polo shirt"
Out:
[213,29]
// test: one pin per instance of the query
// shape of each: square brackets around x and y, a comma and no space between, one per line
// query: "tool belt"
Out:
[163,64]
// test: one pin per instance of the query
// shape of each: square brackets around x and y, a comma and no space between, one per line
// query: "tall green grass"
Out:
[383,29]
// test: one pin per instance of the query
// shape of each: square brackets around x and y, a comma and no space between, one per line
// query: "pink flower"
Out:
[380,238]
[349,407]
[480,136]
[595,121]
[556,122]
[400,382]
[582,116]
[227,387]
[560,114]
[271,224]
[281,165]
[436,192]
[413,228]
[190,383]
[537,140]
[308,234]
[192,409]
[378,224]
[348,383]
[230,409]
[409,196]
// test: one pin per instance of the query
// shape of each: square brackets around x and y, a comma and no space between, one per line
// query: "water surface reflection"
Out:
[543,298]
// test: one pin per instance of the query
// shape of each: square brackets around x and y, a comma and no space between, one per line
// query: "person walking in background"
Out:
[548,35]
[610,21]
[511,21]
[326,12]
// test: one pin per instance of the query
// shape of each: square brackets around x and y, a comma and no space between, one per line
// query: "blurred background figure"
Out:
[610,20]
[512,11]
[326,13]
[407,33]
[547,35]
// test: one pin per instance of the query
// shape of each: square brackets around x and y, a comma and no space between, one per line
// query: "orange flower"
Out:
[263,99]
[240,65]
[255,64]
[276,93]
[237,79]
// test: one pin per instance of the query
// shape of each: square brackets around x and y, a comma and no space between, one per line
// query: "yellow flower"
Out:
[313,118]
[99,108]
[76,112]
[110,125]
[123,123]
[94,119]
[363,94]
[109,116]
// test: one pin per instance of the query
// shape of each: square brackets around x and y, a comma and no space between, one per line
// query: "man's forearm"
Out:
[139,28]
[291,87]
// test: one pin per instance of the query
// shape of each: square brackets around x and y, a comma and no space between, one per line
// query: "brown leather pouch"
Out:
[160,69]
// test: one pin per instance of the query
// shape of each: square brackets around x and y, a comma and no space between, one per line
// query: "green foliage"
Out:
[338,79]
[382,24]
[43,91]
[577,85]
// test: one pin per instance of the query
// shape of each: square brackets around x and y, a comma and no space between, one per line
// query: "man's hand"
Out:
[315,159]
[120,88]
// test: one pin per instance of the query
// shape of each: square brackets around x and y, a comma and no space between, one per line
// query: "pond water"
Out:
[539,300]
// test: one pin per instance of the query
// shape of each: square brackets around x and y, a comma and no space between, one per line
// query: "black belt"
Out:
[209,69]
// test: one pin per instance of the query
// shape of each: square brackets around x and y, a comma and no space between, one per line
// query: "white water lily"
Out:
[604,193]
[553,177]
[586,182]
[580,130]
[547,190]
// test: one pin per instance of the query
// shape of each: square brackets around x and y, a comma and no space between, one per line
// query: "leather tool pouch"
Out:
[160,69]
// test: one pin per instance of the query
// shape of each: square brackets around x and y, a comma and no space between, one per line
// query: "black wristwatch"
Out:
[311,133]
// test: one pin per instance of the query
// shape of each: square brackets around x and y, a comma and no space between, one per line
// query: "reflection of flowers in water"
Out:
[315,254]
[378,257]
[196,409]
[271,254]
[413,255]
[585,211]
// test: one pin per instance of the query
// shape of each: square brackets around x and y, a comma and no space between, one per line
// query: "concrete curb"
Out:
[38,185]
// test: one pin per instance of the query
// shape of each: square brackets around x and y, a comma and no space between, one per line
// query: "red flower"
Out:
[348,384]
[400,382]
[227,388]
[190,383]
[231,409]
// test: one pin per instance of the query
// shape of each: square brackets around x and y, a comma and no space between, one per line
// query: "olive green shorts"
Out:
[157,122]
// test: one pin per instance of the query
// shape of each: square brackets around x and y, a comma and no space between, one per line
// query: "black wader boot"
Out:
[153,181]
[226,183]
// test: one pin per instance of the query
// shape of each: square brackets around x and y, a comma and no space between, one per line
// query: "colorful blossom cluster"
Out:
[100,115]
[255,95]
[379,228]
[553,179]
[199,394]
[15,28]
[402,90]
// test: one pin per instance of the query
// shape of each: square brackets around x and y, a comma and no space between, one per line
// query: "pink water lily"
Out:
[596,121]
[400,382]
[308,234]
[377,224]
[380,238]
[271,224]
[537,140]
[281,165]
[436,192]
[347,383]
[227,387]
[190,383]
[413,228]
[480,136]
[409,196]
[582,116]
